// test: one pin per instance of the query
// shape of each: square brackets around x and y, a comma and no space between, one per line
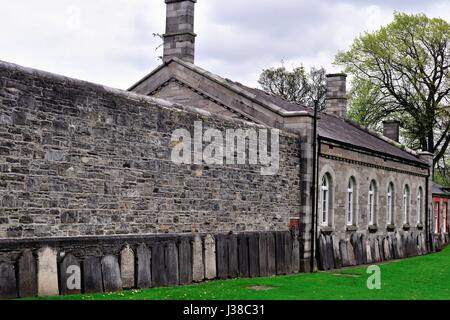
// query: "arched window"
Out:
[445,218]
[406,202]
[419,205]
[390,204]
[325,200]
[351,196]
[372,203]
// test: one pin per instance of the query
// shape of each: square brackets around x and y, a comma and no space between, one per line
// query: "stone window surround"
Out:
[372,206]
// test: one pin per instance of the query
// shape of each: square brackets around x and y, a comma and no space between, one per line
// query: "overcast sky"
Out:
[111,42]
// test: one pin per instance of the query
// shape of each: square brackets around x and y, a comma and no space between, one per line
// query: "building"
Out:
[440,211]
[86,177]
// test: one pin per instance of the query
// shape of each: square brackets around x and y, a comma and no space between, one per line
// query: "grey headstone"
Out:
[243,256]
[386,249]
[368,251]
[280,253]
[127,267]
[8,288]
[47,272]
[144,267]
[171,263]
[322,250]
[222,256]
[271,256]
[233,262]
[70,275]
[27,273]
[92,275]
[198,269]
[351,254]
[354,240]
[344,253]
[380,248]
[263,257]
[336,252]
[363,242]
[295,260]
[330,252]
[210,257]
[158,265]
[253,254]
[112,281]
[185,261]
[377,254]
[287,252]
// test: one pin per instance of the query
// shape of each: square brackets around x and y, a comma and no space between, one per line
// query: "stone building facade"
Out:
[85,165]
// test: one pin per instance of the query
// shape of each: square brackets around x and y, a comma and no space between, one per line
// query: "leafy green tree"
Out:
[298,86]
[402,72]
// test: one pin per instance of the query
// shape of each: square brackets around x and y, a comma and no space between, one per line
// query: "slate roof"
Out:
[333,128]
[330,127]
[438,190]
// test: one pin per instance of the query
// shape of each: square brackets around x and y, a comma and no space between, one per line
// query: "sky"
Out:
[112,42]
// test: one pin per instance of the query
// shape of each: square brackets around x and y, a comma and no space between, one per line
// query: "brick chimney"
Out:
[179,39]
[336,98]
[391,130]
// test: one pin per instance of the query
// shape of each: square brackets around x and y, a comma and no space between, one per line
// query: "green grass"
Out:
[425,277]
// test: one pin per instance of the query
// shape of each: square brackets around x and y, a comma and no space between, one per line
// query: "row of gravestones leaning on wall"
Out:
[48,271]
[361,249]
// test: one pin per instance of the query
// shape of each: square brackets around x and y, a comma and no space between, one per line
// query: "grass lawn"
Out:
[425,277]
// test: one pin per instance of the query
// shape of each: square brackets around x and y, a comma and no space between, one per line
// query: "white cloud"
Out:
[111,42]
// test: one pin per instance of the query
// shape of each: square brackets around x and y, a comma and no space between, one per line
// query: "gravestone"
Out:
[400,246]
[158,265]
[144,262]
[287,252]
[380,249]
[323,260]
[243,256]
[377,253]
[233,262]
[372,244]
[8,289]
[222,256]
[336,252]
[171,263]
[47,272]
[330,253]
[368,252]
[210,257]
[354,240]
[185,261]
[295,260]
[92,275]
[112,281]
[344,253]
[253,254]
[271,255]
[386,249]
[27,274]
[198,269]
[127,267]
[364,254]
[70,275]
[280,253]
[263,257]
[351,254]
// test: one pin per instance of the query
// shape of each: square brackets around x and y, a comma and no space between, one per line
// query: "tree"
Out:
[402,72]
[296,86]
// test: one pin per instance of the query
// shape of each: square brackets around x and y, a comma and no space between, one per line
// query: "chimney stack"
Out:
[179,39]
[336,98]
[391,130]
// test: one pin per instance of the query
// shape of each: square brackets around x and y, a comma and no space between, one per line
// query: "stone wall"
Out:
[341,164]
[81,159]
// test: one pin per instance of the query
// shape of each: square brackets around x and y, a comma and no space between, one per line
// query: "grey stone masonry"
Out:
[79,159]
[336,98]
[391,130]
[179,39]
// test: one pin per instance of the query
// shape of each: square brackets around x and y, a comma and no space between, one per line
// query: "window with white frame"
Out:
[436,216]
[406,202]
[372,203]
[390,204]
[325,200]
[351,192]
[445,218]
[419,205]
